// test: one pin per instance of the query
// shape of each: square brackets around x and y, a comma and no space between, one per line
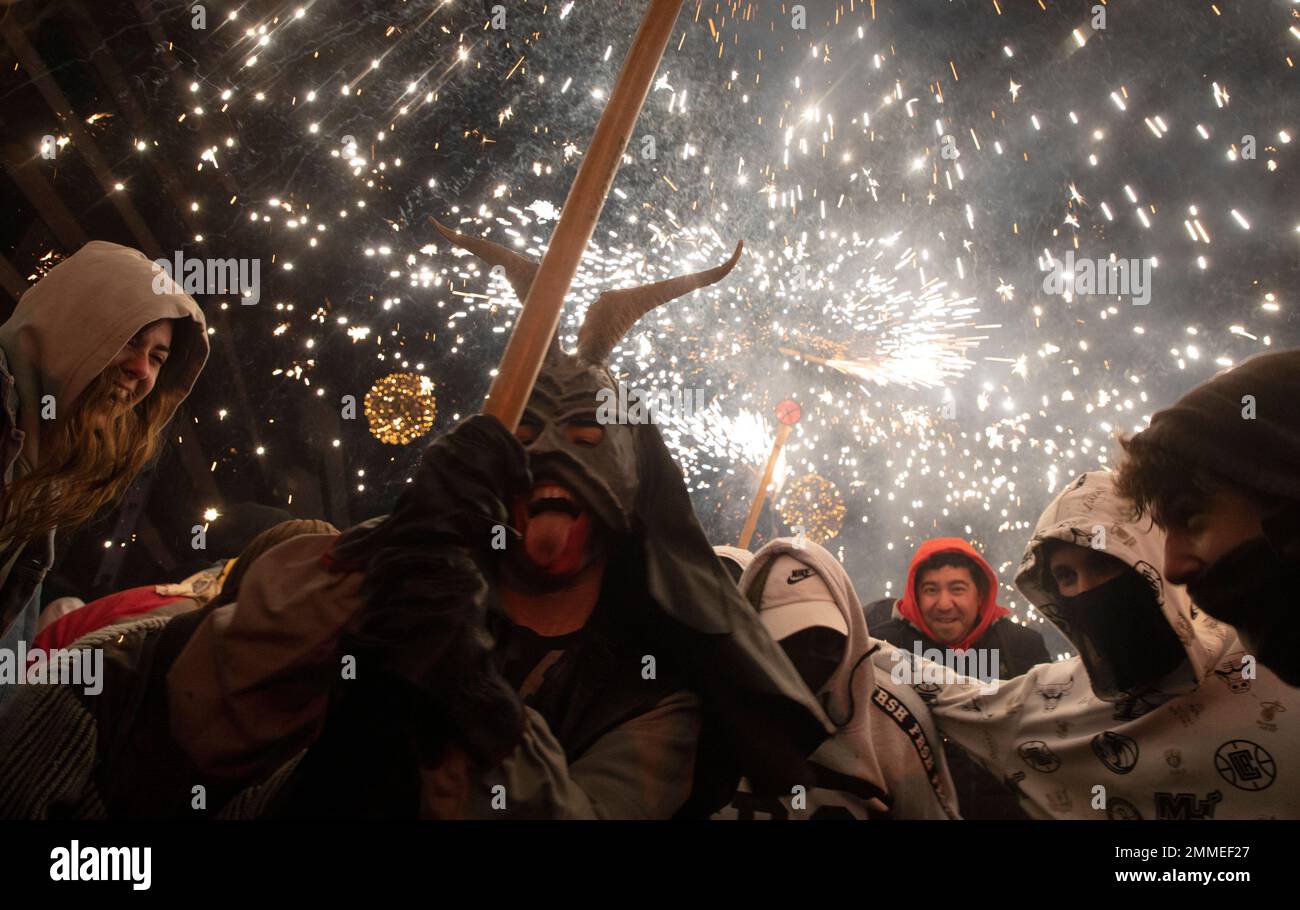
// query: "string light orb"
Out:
[400,408]
[815,503]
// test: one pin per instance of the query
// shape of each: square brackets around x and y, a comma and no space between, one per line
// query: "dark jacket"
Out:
[1018,647]
[20,589]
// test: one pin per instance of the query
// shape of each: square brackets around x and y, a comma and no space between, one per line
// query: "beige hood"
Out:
[1090,507]
[69,326]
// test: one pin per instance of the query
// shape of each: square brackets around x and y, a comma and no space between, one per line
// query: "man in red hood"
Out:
[950,604]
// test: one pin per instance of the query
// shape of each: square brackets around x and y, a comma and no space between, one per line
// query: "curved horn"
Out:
[614,312]
[519,269]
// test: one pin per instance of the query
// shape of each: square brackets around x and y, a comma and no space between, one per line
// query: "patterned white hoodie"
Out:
[886,759]
[1212,742]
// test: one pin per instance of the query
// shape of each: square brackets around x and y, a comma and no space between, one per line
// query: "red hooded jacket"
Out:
[990,611]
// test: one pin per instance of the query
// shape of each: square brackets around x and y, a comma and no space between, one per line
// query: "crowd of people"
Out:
[541,629]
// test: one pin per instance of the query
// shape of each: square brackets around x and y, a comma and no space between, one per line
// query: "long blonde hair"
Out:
[84,467]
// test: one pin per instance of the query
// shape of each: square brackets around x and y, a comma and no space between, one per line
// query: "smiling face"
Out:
[131,375]
[949,601]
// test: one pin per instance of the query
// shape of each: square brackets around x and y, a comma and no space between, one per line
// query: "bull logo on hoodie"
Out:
[1053,692]
[1119,753]
[1229,671]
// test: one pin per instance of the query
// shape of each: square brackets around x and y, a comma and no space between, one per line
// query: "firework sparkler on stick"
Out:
[541,312]
[787,412]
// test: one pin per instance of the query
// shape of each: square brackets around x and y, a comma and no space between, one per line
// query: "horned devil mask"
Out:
[599,467]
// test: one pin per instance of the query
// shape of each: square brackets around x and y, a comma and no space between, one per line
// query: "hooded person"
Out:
[885,760]
[1220,473]
[539,629]
[1161,716]
[734,559]
[950,603]
[94,361]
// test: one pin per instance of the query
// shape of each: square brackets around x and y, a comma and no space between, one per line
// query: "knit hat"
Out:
[1243,425]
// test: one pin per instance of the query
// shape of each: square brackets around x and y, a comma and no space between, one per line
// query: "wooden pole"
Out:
[541,312]
[752,521]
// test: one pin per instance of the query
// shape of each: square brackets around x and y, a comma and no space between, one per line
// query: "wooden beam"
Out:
[12,280]
[23,170]
[86,147]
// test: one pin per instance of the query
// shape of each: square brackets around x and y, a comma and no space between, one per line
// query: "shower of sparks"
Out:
[895,216]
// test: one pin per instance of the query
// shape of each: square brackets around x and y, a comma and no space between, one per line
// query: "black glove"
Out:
[424,626]
[461,493]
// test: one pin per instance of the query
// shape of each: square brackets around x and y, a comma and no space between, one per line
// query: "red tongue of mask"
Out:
[554,541]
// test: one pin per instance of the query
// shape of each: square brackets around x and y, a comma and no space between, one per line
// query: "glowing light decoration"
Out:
[815,503]
[400,408]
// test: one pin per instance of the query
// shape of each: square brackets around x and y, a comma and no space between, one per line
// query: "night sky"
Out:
[900,173]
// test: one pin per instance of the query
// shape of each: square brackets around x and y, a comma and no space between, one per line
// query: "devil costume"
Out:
[655,707]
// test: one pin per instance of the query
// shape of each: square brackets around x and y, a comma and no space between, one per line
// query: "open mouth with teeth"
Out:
[554,525]
[552,498]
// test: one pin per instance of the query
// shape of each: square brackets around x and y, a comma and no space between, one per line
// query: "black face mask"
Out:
[1255,590]
[1123,637]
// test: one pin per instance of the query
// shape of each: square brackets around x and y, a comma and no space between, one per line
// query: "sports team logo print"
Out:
[1268,713]
[1245,765]
[1152,577]
[1038,756]
[1053,692]
[1080,538]
[1118,809]
[1133,708]
[1187,714]
[1229,670]
[1119,753]
[1185,806]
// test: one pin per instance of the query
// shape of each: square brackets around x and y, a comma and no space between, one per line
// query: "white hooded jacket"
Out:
[1212,742]
[886,759]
